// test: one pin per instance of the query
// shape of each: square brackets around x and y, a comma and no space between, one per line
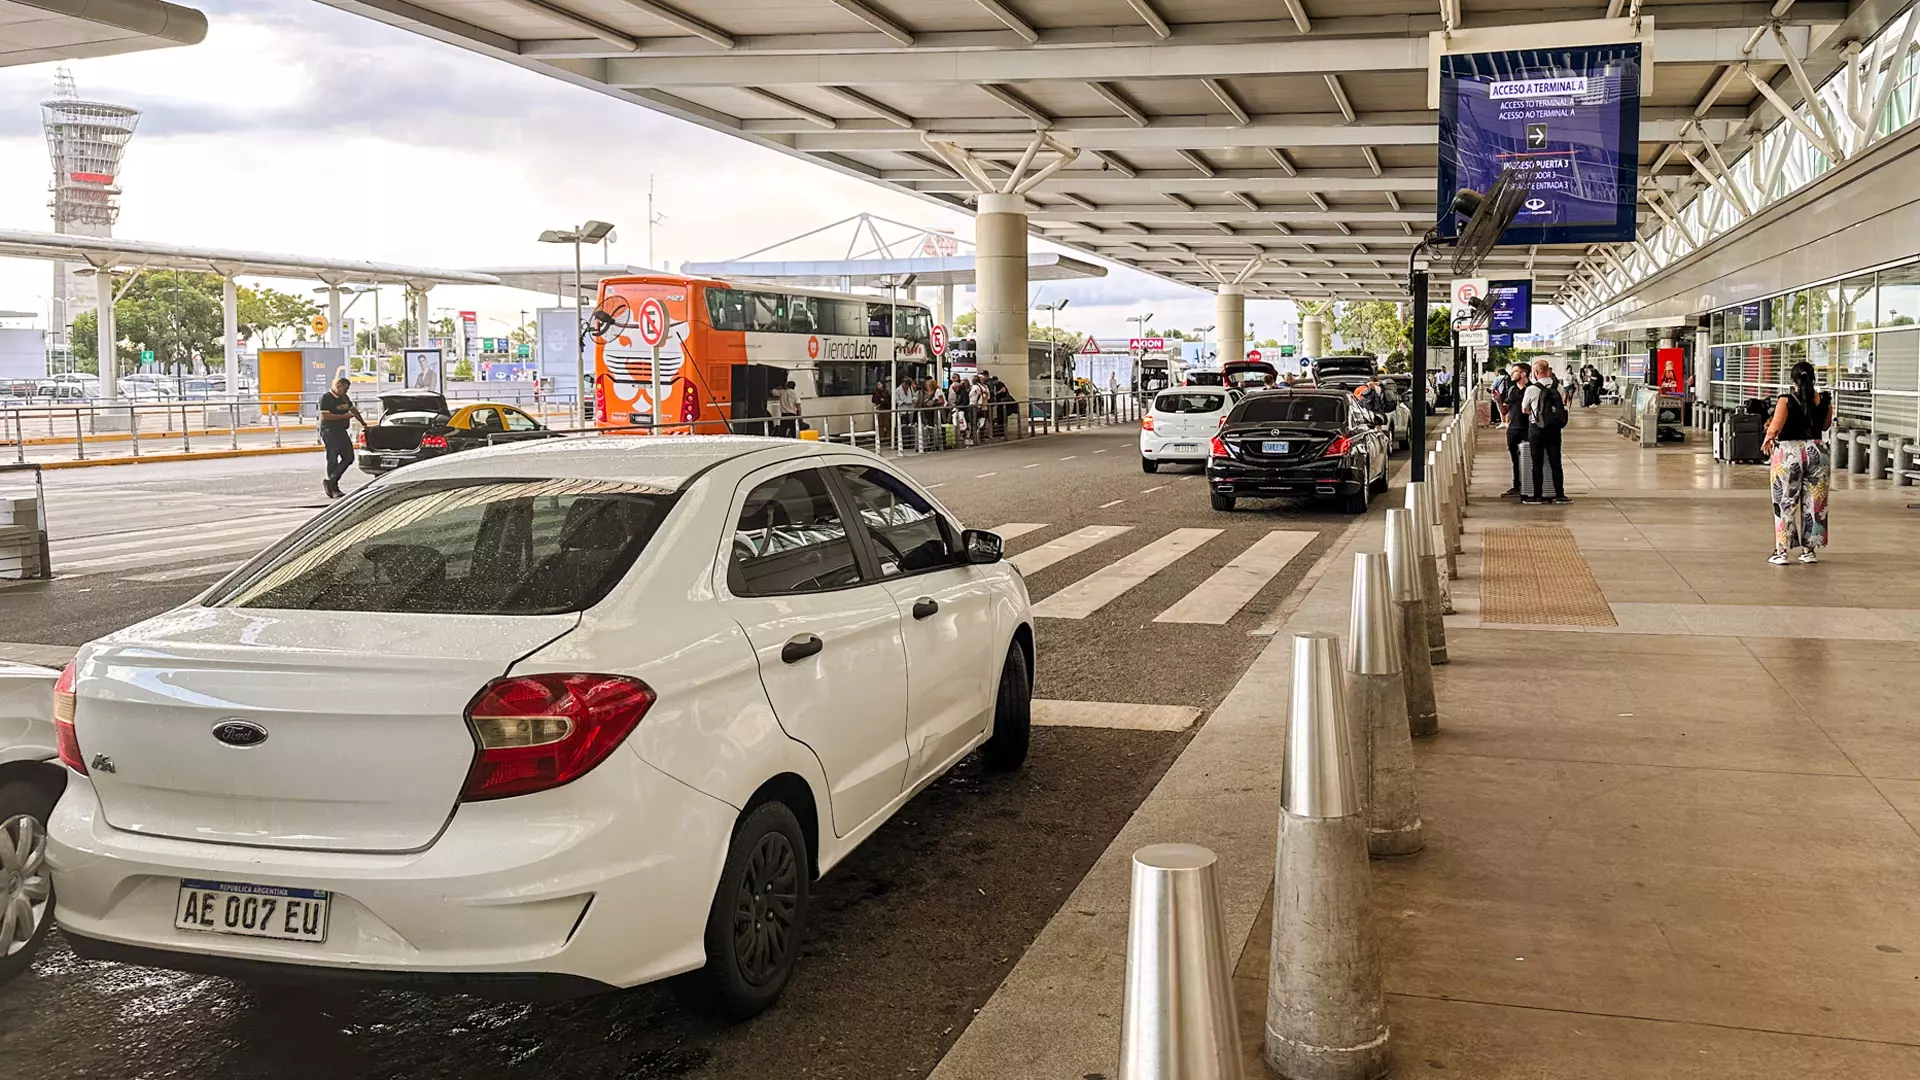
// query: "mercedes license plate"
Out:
[264,911]
[1275,447]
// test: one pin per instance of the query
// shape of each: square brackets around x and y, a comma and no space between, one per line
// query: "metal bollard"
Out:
[1326,989]
[1178,1022]
[1403,575]
[1420,501]
[1445,508]
[1377,712]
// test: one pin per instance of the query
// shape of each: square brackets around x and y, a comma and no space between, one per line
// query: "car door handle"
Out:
[799,648]
[924,607]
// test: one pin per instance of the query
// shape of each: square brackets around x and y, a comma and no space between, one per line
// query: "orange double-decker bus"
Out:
[834,347]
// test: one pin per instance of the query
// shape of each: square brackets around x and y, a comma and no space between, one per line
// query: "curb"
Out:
[210,455]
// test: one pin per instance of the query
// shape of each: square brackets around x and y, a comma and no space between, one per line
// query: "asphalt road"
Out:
[911,935]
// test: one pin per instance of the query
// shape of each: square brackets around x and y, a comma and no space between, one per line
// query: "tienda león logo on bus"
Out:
[813,348]
[843,350]
[1570,86]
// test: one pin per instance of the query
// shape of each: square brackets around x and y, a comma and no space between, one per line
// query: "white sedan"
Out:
[1179,425]
[538,721]
[30,781]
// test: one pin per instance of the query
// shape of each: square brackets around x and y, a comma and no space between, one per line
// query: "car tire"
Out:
[1149,465]
[1356,502]
[766,882]
[1380,485]
[1006,749]
[1222,502]
[28,805]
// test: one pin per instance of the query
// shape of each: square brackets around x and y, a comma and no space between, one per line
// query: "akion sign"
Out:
[1570,86]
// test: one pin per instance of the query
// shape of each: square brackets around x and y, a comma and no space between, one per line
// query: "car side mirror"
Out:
[982,547]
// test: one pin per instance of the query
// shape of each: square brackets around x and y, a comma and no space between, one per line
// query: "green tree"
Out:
[462,369]
[268,314]
[966,325]
[1373,326]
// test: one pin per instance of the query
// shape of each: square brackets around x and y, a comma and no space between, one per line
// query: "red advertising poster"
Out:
[1667,365]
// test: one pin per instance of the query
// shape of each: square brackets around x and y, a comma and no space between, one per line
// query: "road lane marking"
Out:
[163,556]
[1035,465]
[1099,451]
[1219,598]
[1069,457]
[160,546]
[1037,559]
[1109,583]
[984,475]
[1104,505]
[1114,714]
[1014,529]
[930,487]
[1151,490]
[188,572]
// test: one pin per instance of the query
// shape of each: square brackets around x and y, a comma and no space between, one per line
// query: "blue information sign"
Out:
[1498,339]
[1570,117]
[1512,306]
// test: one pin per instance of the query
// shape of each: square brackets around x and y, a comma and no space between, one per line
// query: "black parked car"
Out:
[1300,442]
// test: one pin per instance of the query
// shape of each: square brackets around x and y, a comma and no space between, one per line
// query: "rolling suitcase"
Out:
[1745,434]
[1526,472]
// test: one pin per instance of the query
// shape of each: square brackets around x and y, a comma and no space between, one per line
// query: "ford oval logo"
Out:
[1536,204]
[240,733]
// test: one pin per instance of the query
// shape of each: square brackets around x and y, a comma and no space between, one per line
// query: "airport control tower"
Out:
[84,140]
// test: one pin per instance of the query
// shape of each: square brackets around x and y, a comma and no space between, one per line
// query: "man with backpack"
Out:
[1545,406]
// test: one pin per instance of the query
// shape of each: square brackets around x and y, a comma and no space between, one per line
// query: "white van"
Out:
[1180,425]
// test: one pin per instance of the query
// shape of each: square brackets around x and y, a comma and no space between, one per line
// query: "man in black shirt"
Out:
[1510,399]
[336,409]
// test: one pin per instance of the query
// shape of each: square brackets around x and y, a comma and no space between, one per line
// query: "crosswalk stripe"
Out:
[1034,560]
[1220,597]
[162,557]
[1013,529]
[208,570]
[160,542]
[1103,586]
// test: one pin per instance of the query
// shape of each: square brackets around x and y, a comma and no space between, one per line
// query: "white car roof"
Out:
[663,461]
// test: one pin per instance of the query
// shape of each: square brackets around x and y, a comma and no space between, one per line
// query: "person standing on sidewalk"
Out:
[336,411]
[1507,411]
[1545,406]
[1798,454]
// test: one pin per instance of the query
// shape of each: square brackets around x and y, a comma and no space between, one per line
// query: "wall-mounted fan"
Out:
[1488,216]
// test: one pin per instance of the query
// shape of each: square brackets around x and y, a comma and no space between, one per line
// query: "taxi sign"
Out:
[653,321]
[939,340]
[319,325]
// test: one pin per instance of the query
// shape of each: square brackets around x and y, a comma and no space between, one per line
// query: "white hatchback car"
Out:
[1179,425]
[30,782]
[538,721]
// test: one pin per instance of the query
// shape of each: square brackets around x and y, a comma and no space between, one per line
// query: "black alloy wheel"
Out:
[766,907]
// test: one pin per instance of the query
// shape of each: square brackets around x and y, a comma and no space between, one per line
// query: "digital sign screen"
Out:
[1512,306]
[1570,117]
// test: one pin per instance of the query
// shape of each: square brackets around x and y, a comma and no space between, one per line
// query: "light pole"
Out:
[893,343]
[1053,361]
[1140,331]
[1203,340]
[592,232]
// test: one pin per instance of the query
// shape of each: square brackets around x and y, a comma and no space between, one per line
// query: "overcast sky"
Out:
[302,129]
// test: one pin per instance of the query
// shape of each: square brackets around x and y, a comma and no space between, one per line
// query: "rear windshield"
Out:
[1345,365]
[1278,408]
[1185,402]
[489,547]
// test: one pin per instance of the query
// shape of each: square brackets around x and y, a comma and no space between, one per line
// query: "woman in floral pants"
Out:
[1799,456]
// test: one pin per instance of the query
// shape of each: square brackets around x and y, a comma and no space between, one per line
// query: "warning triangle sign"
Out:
[1089,347]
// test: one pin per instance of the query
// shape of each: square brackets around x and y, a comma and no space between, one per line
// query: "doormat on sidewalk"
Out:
[1535,575]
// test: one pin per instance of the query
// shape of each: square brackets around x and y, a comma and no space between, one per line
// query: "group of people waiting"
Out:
[1533,406]
[918,410]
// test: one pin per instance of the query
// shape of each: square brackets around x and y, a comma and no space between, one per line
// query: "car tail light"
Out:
[434,442]
[1219,448]
[360,440]
[1339,446]
[63,734]
[538,732]
[1146,422]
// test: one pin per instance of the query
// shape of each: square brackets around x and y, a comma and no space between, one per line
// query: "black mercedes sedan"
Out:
[1299,442]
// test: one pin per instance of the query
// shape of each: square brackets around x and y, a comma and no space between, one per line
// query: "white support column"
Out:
[104,337]
[1230,316]
[945,314]
[335,332]
[1000,262]
[230,329]
[1313,334]
[420,328]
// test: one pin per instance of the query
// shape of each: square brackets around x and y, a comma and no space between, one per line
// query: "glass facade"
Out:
[1861,333]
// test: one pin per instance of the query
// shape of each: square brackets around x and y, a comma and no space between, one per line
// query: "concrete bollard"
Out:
[1443,574]
[1326,990]
[1420,501]
[1403,575]
[1377,712]
[1178,1022]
